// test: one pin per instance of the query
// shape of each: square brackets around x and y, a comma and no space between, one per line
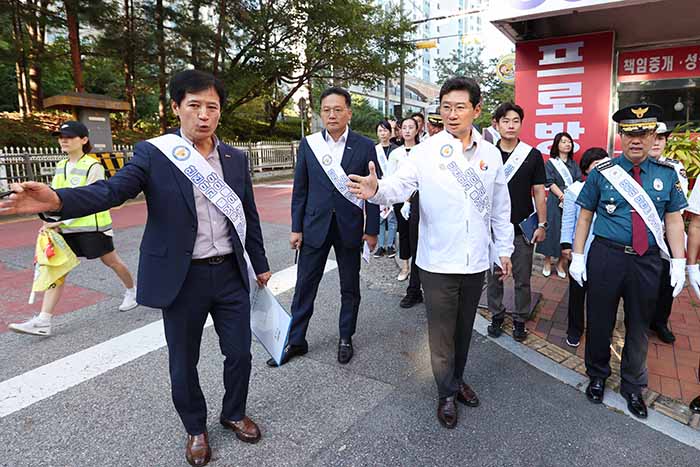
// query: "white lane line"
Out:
[36,385]
[656,420]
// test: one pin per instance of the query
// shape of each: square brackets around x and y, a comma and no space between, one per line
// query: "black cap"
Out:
[71,129]
[638,118]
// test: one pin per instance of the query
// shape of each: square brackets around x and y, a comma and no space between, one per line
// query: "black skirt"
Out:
[89,245]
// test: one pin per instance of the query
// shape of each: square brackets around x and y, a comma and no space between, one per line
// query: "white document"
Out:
[366,253]
[269,322]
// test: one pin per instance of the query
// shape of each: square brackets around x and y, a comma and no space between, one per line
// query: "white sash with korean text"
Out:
[450,147]
[331,167]
[516,159]
[268,320]
[640,202]
[381,158]
[563,171]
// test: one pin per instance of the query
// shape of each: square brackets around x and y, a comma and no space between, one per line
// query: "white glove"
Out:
[694,278]
[406,210]
[677,275]
[577,268]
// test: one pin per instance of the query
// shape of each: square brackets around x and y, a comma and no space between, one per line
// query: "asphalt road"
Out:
[378,410]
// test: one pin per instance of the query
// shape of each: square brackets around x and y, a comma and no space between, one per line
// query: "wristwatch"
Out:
[542,225]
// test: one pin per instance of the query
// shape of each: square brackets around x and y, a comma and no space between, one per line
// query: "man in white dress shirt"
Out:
[464,197]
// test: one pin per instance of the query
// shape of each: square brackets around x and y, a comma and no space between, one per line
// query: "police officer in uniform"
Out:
[624,260]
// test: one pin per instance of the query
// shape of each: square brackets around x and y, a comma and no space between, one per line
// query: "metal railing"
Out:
[19,164]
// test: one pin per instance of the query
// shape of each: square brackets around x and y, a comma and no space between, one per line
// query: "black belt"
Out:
[213,260]
[625,248]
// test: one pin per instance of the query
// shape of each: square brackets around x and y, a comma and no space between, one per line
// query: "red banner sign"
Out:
[564,84]
[645,65]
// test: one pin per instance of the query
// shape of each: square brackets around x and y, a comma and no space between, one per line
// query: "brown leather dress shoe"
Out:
[198,451]
[246,430]
[467,396]
[447,412]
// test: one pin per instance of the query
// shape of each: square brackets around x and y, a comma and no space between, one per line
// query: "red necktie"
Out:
[640,241]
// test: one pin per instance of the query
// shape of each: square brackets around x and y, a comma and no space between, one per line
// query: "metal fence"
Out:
[19,164]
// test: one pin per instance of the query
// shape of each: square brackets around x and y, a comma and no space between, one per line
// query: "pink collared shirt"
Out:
[213,227]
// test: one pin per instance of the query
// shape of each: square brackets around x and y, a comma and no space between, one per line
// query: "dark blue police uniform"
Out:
[614,270]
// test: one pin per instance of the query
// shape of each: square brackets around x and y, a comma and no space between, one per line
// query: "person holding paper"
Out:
[387,217]
[633,196]
[195,259]
[464,229]
[325,214]
[525,173]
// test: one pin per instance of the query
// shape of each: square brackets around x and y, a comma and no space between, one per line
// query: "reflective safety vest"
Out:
[100,222]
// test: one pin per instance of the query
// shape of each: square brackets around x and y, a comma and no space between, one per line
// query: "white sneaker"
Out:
[129,302]
[35,326]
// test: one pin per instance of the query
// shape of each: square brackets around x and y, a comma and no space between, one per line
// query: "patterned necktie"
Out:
[640,241]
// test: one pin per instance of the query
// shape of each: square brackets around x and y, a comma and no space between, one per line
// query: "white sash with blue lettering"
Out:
[268,320]
[516,159]
[381,158]
[332,167]
[563,171]
[447,145]
[639,200]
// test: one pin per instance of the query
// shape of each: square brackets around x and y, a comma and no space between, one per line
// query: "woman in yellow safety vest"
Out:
[90,236]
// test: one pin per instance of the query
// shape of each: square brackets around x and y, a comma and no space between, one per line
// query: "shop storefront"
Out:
[577,61]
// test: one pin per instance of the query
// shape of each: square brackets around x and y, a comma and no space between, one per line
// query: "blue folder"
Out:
[528,226]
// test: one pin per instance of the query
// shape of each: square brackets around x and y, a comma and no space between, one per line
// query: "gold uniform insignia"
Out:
[639,112]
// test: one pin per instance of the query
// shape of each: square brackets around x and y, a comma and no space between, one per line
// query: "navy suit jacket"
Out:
[171,226]
[315,199]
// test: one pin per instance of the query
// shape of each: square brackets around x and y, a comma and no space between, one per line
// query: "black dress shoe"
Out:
[519,331]
[467,396]
[695,405]
[664,333]
[495,329]
[447,412]
[636,405]
[596,390]
[411,300]
[345,352]
[290,352]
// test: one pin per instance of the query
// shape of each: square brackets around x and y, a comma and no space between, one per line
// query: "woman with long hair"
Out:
[562,171]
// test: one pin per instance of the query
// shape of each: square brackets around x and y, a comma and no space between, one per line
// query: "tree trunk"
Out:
[36,30]
[20,62]
[160,38]
[194,38]
[129,61]
[74,41]
[218,44]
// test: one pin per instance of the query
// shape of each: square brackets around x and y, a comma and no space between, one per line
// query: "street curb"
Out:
[668,416]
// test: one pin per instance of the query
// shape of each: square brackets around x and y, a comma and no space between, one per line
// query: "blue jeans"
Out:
[387,227]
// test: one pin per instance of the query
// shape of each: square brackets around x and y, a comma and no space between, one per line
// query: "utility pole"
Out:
[402,71]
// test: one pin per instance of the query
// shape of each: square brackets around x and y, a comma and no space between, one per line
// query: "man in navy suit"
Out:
[324,215]
[192,262]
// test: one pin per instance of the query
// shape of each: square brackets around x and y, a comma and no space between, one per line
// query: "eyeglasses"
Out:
[459,109]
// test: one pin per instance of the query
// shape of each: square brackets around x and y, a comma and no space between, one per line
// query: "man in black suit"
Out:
[325,214]
[192,261]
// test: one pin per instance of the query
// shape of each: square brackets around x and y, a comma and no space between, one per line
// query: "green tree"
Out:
[365,117]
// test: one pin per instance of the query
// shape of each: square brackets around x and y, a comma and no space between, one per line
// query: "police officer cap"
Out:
[638,118]
[662,129]
[435,119]
[71,129]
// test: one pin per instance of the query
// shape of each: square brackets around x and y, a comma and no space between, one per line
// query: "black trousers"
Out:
[310,267]
[217,291]
[450,302]
[413,288]
[664,303]
[402,229]
[613,274]
[576,312]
